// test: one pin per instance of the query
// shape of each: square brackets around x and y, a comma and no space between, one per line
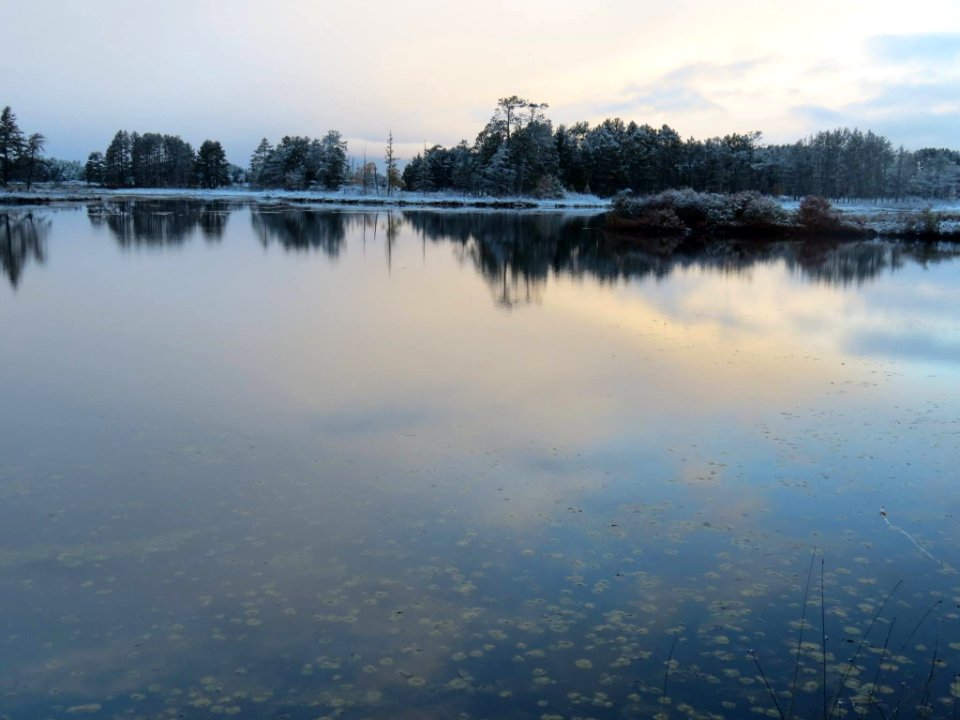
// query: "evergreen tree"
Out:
[30,157]
[258,162]
[333,168]
[117,161]
[213,170]
[498,177]
[93,170]
[11,144]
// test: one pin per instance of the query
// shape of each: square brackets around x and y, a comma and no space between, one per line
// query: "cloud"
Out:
[672,99]
[916,97]
[820,115]
[923,114]
[683,89]
[923,47]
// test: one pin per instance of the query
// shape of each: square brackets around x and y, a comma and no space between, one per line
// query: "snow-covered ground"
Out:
[889,217]
[348,197]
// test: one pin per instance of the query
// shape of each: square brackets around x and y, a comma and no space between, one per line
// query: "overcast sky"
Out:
[432,70]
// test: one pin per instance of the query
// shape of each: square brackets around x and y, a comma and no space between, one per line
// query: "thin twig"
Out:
[666,674]
[917,626]
[823,642]
[763,676]
[876,676]
[925,698]
[803,617]
[853,661]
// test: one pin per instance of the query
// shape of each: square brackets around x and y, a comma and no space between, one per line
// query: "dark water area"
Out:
[268,462]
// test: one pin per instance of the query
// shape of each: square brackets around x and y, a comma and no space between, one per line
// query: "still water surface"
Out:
[275,463]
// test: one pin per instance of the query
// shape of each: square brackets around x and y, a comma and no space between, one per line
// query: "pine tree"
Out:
[30,158]
[117,161]
[93,170]
[258,161]
[333,170]
[213,171]
[11,144]
[393,177]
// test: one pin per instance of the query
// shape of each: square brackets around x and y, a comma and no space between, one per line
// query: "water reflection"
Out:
[22,239]
[309,489]
[518,252]
[160,222]
[301,230]
[515,253]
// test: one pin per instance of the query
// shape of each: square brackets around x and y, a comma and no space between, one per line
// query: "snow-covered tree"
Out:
[258,161]
[333,166]
[498,177]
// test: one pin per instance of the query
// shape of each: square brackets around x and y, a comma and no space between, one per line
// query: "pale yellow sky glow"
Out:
[432,71]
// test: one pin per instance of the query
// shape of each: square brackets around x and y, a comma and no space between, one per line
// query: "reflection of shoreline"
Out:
[515,252]
[159,223]
[22,239]
[529,248]
[300,230]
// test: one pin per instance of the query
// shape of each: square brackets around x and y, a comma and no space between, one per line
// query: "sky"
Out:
[431,71]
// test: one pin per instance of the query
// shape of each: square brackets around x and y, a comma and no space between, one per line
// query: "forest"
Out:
[517,153]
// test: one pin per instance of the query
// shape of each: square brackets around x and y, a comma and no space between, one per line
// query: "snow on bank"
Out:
[348,198]
[893,217]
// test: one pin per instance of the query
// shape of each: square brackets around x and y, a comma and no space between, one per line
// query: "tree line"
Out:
[152,160]
[298,163]
[518,152]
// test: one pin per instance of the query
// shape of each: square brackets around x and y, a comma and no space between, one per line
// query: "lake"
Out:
[274,462]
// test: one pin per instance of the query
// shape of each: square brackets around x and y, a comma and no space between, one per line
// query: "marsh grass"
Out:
[843,696]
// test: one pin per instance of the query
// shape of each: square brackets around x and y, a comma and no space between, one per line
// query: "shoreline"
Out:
[859,220]
[332,200]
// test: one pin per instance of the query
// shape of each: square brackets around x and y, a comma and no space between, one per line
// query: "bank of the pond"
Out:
[677,214]
[72,193]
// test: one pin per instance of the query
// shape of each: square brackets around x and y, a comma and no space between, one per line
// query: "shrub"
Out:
[925,222]
[696,212]
[548,187]
[816,213]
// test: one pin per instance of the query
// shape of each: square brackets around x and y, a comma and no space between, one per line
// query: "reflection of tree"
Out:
[516,253]
[22,238]
[160,222]
[300,229]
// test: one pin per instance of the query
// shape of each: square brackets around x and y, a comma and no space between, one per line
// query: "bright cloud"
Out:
[432,70]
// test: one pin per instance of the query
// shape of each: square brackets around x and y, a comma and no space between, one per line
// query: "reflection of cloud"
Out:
[387,418]
[906,345]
